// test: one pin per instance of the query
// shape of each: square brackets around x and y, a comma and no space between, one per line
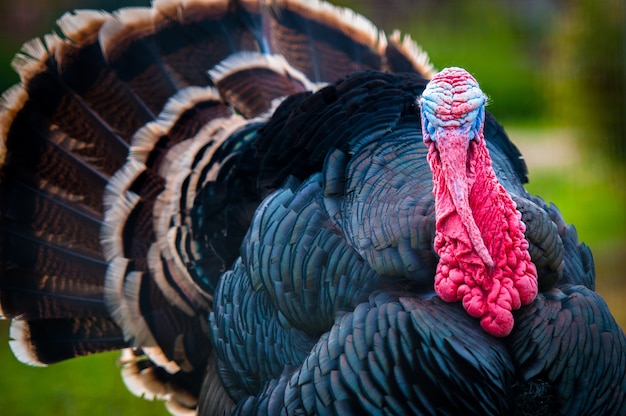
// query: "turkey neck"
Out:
[457,163]
[483,255]
[484,259]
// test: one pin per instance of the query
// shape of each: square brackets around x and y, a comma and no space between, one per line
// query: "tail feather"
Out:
[404,55]
[194,36]
[45,280]
[149,321]
[121,292]
[145,379]
[64,142]
[56,298]
[127,44]
[90,84]
[43,342]
[250,81]
[45,161]
[193,168]
[124,194]
[182,118]
[61,222]
[326,42]
[172,329]
[322,41]
[149,202]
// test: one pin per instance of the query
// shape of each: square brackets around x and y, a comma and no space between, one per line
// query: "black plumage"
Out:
[236,193]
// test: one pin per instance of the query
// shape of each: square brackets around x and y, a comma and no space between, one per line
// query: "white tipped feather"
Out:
[155,265]
[111,230]
[180,159]
[184,100]
[412,50]
[343,19]
[115,288]
[81,26]
[120,182]
[157,356]
[218,134]
[21,345]
[134,320]
[127,25]
[166,205]
[179,270]
[146,138]
[248,60]
[177,166]
[144,141]
[113,293]
[142,382]
[185,164]
[30,60]
[176,409]
[11,102]
[118,203]
[35,49]
[131,375]
[183,10]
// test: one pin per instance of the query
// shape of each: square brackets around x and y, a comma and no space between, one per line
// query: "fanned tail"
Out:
[59,156]
[129,172]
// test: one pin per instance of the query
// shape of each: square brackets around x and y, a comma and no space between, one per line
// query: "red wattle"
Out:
[488,293]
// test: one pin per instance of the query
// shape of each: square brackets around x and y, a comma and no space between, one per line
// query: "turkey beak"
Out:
[452,145]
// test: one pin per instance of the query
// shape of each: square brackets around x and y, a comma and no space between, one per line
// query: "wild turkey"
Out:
[239,195]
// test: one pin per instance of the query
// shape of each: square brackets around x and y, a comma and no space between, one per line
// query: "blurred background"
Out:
[555,72]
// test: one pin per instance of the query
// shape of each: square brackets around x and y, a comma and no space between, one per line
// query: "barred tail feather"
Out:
[129,171]
[43,342]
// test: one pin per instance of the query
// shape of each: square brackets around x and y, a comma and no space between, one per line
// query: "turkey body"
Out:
[237,194]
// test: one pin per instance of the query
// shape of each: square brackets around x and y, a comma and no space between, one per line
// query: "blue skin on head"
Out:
[452,99]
